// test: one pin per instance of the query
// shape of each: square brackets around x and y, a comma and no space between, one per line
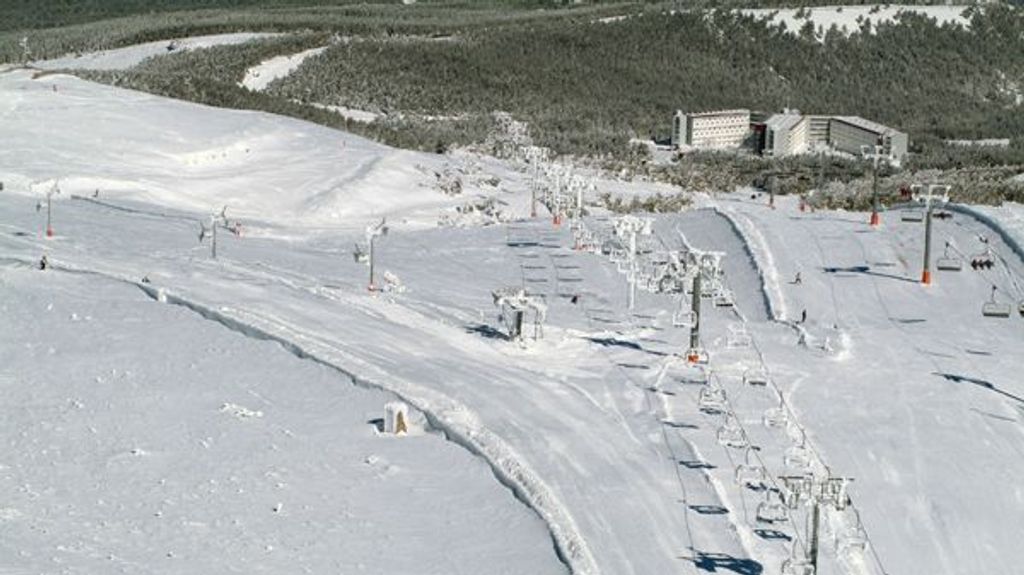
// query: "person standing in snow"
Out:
[803,316]
[44,263]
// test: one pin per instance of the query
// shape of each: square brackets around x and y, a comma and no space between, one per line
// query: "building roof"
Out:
[781,122]
[868,125]
[718,113]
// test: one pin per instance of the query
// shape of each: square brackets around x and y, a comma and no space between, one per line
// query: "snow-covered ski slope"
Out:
[260,76]
[140,438]
[596,427]
[130,56]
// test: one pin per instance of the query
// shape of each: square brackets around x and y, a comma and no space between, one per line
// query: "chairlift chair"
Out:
[949,262]
[358,254]
[751,473]
[852,540]
[775,417]
[723,298]
[711,399]
[993,308]
[797,564]
[772,509]
[738,337]
[684,318]
[912,215]
[756,376]
[730,434]
[702,377]
[797,457]
[835,493]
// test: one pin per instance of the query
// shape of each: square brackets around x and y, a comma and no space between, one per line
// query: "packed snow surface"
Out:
[597,426]
[141,437]
[130,56]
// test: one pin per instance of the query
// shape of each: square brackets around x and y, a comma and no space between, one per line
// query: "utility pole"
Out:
[372,232]
[929,199]
[54,189]
[875,153]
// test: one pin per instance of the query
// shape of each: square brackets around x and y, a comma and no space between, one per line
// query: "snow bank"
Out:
[761,255]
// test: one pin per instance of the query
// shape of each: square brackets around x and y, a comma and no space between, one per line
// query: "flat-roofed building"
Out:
[785,135]
[718,129]
[817,131]
[851,133]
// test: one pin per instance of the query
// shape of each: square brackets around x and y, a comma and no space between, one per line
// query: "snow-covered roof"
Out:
[781,122]
[717,113]
[859,122]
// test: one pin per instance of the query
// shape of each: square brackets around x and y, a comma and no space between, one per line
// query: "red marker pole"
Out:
[49,227]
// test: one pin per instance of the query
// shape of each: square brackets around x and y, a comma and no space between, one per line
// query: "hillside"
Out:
[172,411]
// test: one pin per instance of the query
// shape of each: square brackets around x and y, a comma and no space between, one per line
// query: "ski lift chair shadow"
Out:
[756,376]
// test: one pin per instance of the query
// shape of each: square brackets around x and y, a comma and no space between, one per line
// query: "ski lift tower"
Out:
[817,492]
[702,264]
[629,226]
[54,190]
[372,232]
[875,153]
[929,195]
[212,231]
